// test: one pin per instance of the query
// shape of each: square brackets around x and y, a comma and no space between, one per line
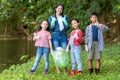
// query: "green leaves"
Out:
[26,11]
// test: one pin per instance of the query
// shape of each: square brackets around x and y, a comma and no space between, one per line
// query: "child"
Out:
[75,40]
[42,40]
[94,42]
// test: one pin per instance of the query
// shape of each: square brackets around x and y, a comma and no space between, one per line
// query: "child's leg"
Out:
[46,58]
[90,64]
[97,64]
[72,72]
[90,59]
[38,57]
[98,57]
[78,57]
[73,60]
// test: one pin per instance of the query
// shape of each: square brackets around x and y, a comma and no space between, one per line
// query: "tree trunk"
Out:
[118,27]
[5,31]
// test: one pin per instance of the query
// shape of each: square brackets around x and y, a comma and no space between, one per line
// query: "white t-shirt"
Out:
[60,23]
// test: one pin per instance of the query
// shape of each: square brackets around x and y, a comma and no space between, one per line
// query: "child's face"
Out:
[93,18]
[59,10]
[44,25]
[75,24]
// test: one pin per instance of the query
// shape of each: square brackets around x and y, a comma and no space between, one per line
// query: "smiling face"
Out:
[59,10]
[75,24]
[44,25]
[93,18]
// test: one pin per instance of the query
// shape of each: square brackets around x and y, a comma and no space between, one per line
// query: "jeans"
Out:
[59,39]
[41,51]
[75,55]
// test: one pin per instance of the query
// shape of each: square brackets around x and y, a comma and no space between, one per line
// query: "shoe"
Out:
[90,71]
[32,71]
[45,71]
[97,71]
[72,72]
[79,72]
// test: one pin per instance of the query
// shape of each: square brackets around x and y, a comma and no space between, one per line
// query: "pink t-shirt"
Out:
[42,38]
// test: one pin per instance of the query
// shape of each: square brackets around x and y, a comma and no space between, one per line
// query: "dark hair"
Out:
[75,20]
[39,28]
[58,6]
[93,14]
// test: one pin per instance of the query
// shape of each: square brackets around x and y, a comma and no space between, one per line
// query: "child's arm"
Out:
[34,38]
[101,26]
[67,48]
[86,36]
[50,44]
[104,27]
[86,39]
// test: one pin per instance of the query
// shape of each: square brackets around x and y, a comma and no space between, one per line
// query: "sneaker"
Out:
[32,71]
[79,72]
[45,71]
[72,72]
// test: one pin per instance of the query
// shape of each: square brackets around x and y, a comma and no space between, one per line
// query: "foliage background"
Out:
[16,15]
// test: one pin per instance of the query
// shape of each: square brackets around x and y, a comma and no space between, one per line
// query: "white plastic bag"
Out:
[61,58]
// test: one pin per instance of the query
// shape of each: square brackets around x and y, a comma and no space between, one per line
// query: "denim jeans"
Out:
[41,51]
[75,55]
[59,39]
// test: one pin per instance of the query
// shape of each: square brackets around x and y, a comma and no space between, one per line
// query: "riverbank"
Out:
[110,64]
[12,49]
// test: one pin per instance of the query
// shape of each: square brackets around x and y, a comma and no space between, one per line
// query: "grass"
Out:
[110,68]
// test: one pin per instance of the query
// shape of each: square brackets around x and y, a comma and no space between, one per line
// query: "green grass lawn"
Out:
[110,68]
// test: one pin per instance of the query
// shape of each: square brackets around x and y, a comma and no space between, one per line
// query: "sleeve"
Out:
[49,21]
[67,27]
[86,35]
[105,28]
[49,35]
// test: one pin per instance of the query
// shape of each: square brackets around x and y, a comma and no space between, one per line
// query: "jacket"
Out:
[89,40]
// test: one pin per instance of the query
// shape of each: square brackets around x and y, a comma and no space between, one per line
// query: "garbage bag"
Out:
[61,58]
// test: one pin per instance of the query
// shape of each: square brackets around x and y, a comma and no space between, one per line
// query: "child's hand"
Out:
[65,21]
[76,36]
[67,49]
[37,37]
[102,26]
[86,48]
[51,51]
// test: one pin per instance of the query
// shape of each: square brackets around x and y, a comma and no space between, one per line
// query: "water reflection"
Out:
[12,50]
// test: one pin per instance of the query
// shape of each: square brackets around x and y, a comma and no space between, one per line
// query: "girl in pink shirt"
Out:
[75,41]
[42,40]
